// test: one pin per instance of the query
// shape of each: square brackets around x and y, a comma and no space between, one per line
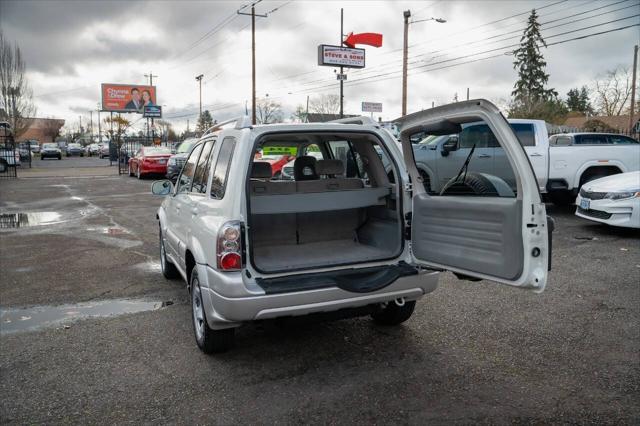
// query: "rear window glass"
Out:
[219,181]
[156,150]
[525,133]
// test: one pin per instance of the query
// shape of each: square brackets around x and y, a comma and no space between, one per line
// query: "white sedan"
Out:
[614,200]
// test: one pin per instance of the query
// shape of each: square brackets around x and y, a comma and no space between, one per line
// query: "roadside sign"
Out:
[341,76]
[337,56]
[371,107]
[152,111]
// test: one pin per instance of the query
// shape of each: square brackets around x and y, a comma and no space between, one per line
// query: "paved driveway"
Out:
[472,352]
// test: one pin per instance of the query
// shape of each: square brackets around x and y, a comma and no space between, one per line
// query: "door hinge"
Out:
[408,187]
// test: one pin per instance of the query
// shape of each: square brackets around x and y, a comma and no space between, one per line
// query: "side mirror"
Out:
[161,187]
[448,146]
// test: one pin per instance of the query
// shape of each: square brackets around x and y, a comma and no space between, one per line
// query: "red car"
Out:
[149,160]
[277,162]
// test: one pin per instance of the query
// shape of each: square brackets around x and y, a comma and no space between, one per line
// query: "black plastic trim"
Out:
[364,280]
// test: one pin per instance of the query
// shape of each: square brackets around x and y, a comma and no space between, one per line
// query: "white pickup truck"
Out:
[561,163]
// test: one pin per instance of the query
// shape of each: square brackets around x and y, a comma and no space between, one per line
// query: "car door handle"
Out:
[484,156]
[536,154]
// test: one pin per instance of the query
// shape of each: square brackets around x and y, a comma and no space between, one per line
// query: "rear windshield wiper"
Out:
[465,166]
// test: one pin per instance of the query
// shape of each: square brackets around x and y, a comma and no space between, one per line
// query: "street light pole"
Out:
[405,53]
[199,80]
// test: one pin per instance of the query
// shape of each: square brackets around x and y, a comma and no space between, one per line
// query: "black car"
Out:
[75,149]
[50,150]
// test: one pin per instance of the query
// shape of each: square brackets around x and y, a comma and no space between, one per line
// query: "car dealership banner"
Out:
[371,107]
[127,97]
[336,56]
[152,111]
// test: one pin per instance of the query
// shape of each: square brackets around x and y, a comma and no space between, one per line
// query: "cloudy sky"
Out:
[71,47]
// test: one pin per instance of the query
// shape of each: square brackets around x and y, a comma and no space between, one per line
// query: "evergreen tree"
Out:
[585,103]
[573,100]
[530,86]
[578,100]
[204,121]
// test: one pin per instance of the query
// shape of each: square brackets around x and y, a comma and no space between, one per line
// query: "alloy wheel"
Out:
[198,310]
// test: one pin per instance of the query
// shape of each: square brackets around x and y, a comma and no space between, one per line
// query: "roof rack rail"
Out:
[363,119]
[242,122]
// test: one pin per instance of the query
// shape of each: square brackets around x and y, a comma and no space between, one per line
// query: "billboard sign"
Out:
[127,97]
[371,107]
[152,111]
[337,56]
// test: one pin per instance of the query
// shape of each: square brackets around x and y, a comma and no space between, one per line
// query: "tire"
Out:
[129,169]
[169,270]
[208,340]
[4,166]
[562,198]
[60,157]
[471,184]
[392,314]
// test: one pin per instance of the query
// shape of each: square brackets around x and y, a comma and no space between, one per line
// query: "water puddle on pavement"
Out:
[37,317]
[23,220]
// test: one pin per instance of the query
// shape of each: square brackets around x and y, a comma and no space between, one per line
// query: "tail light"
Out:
[229,251]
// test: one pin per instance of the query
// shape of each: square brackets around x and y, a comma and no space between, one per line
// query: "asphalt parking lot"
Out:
[472,352]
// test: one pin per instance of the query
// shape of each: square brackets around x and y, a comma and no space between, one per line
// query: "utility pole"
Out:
[91,126]
[405,52]
[467,93]
[150,76]
[99,128]
[306,115]
[341,68]
[80,130]
[253,55]
[633,88]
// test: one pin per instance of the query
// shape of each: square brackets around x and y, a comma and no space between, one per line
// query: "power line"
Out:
[387,76]
[393,65]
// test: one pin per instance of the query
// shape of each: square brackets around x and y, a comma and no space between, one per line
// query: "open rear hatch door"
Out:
[504,239]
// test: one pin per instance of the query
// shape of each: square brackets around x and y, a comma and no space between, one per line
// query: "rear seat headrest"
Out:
[330,167]
[261,170]
[304,168]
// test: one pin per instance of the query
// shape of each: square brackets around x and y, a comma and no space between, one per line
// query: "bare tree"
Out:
[299,115]
[612,91]
[16,102]
[51,128]
[268,111]
[117,125]
[325,104]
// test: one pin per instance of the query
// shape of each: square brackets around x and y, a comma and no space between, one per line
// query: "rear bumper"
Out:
[153,168]
[229,300]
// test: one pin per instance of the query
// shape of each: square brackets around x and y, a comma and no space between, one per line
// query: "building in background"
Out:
[43,130]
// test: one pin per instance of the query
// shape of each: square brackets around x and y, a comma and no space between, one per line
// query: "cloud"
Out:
[71,47]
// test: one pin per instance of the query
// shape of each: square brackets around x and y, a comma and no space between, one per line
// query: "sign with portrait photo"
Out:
[127,97]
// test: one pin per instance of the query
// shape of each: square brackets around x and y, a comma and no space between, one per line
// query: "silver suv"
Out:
[344,234]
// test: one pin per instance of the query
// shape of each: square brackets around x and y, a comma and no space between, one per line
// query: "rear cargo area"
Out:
[291,241]
[332,205]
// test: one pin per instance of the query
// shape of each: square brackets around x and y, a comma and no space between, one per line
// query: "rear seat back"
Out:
[331,169]
[261,183]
